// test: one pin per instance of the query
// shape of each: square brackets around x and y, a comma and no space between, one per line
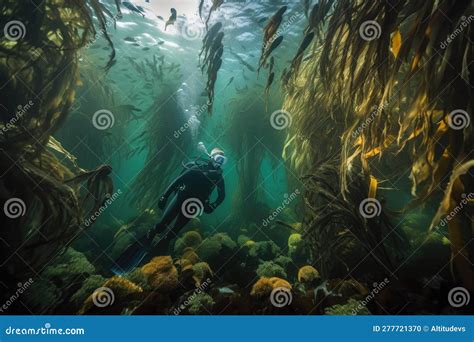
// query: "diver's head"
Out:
[218,156]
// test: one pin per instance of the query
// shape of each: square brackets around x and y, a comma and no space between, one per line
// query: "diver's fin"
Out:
[132,256]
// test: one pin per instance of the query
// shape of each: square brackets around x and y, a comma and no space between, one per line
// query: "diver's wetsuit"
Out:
[196,182]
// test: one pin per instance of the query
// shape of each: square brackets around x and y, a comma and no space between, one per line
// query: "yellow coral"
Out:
[264,286]
[190,254]
[294,240]
[308,274]
[202,271]
[249,243]
[192,239]
[115,290]
[161,274]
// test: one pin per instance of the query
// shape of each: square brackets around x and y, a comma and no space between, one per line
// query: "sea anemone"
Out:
[161,274]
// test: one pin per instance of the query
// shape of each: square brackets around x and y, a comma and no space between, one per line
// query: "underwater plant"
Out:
[39,73]
[378,77]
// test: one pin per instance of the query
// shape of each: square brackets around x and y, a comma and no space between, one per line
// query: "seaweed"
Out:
[39,73]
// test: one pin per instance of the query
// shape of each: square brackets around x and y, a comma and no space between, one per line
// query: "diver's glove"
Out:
[162,202]
[209,207]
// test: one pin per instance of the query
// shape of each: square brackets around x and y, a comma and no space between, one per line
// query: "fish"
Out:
[226,290]
[146,49]
[209,37]
[296,62]
[201,4]
[272,27]
[131,7]
[273,46]
[129,39]
[216,45]
[242,61]
[172,18]
[215,5]
[161,42]
[160,17]
[230,81]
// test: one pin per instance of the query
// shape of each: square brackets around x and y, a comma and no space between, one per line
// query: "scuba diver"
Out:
[191,192]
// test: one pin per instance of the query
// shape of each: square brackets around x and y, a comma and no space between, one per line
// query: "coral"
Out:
[215,245]
[270,269]
[264,250]
[352,307]
[190,239]
[68,267]
[264,286]
[308,274]
[116,292]
[242,240]
[200,304]
[90,284]
[283,261]
[202,271]
[293,241]
[136,276]
[161,274]
[190,255]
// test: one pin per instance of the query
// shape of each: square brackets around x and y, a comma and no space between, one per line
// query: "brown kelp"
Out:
[250,144]
[166,139]
[95,128]
[213,50]
[38,73]
[389,74]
